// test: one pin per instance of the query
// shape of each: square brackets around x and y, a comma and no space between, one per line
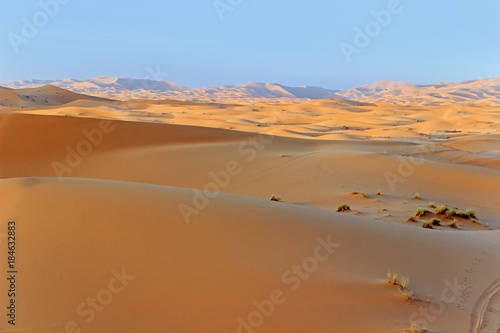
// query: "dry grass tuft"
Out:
[405,281]
[427,224]
[407,294]
[450,213]
[403,285]
[362,193]
[471,213]
[435,221]
[415,328]
[276,198]
[441,209]
[343,208]
[421,211]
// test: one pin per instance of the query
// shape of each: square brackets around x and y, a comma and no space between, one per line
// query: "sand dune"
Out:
[482,92]
[204,276]
[127,89]
[46,95]
[160,210]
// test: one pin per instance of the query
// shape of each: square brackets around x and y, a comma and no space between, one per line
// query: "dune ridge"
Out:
[485,91]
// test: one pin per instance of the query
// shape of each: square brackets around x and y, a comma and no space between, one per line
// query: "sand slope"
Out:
[314,173]
[202,277]
[46,95]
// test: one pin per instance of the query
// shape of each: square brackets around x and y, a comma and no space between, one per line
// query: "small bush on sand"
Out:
[450,213]
[432,204]
[416,196]
[412,218]
[379,192]
[435,221]
[343,208]
[407,294]
[427,224]
[276,198]
[405,281]
[415,328]
[421,211]
[471,213]
[403,285]
[362,193]
[454,223]
[441,209]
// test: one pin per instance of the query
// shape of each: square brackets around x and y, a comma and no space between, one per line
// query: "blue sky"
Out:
[289,42]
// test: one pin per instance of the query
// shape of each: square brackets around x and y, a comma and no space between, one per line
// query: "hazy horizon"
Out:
[237,84]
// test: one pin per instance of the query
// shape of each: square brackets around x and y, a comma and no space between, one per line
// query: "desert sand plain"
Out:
[155,216]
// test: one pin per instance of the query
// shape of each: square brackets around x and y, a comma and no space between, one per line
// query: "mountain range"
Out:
[484,91]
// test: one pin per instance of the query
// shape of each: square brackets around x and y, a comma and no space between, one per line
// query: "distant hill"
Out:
[48,95]
[127,88]
[486,91]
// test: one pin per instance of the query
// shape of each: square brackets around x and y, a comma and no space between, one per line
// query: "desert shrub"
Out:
[276,198]
[343,208]
[427,224]
[441,209]
[471,213]
[435,221]
[421,211]
[450,213]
